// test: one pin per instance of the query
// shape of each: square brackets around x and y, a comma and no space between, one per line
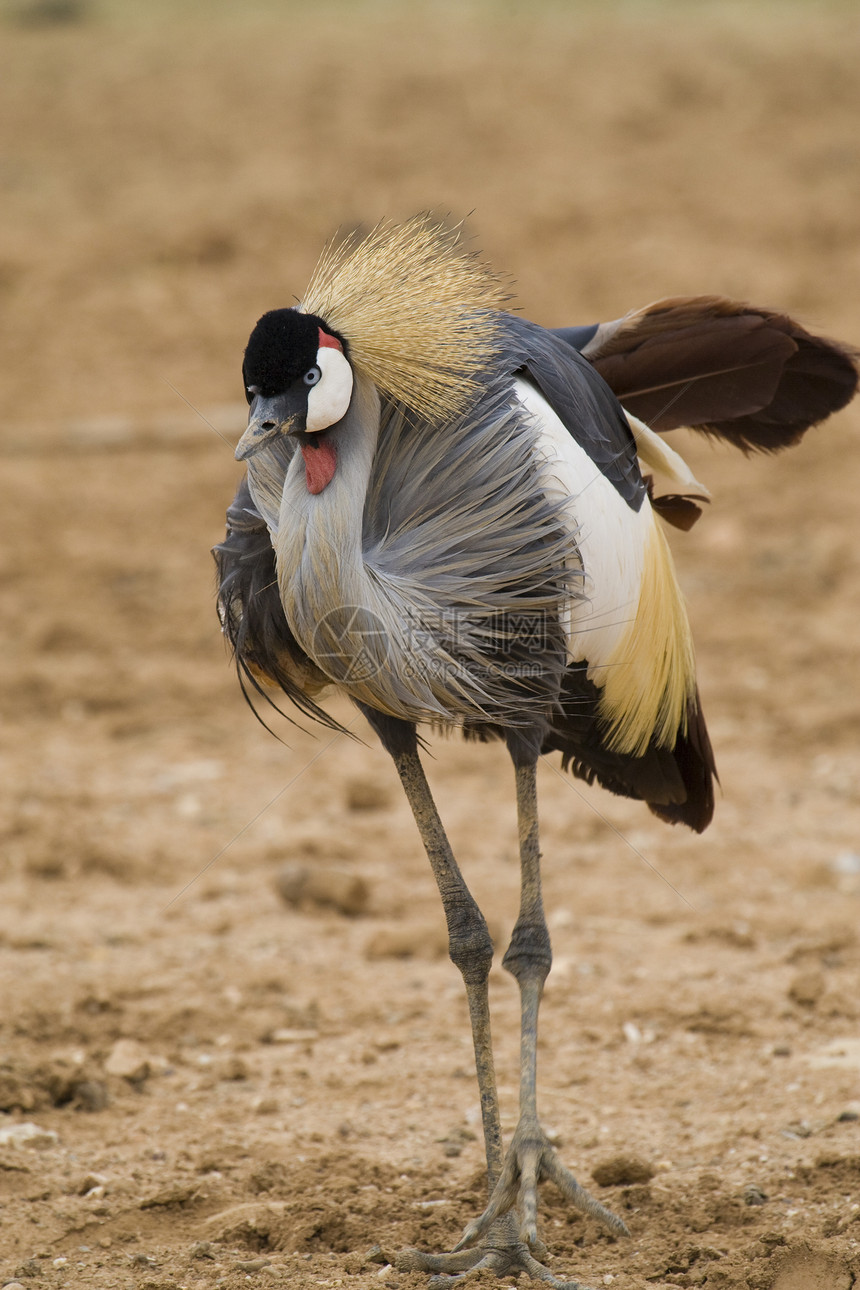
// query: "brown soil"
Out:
[230,1089]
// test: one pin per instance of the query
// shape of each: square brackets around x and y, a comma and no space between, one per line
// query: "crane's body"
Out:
[449,516]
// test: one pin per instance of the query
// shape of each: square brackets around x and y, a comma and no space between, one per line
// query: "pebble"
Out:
[266,1106]
[252,1265]
[846,862]
[89,1182]
[807,988]
[622,1170]
[291,1035]
[455,1140]
[91,1095]
[850,1112]
[128,1060]
[178,1194]
[324,885]
[28,1135]
[233,1068]
[29,1268]
[12,1285]
[142,1260]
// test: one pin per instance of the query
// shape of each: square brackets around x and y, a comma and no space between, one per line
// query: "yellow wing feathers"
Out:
[650,675]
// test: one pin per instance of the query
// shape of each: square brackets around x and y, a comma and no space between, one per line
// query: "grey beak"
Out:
[284,414]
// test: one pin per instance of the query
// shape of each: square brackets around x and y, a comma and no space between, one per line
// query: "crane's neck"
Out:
[319,536]
[341,611]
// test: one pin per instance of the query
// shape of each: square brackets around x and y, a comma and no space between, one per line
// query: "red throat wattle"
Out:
[320,464]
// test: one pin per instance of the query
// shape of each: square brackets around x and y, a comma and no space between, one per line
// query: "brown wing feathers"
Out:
[748,375]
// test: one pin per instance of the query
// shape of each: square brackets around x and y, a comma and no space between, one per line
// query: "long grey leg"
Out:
[469,942]
[512,1178]
[469,945]
[529,958]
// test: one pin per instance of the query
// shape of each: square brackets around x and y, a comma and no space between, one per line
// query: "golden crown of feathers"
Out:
[420,314]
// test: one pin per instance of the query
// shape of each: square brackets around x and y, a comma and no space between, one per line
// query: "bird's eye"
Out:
[250,394]
[312,376]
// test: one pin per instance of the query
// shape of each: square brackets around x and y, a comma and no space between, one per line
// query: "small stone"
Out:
[91,1095]
[267,1106]
[622,1170]
[271,1176]
[288,1035]
[90,1182]
[233,1068]
[455,1140]
[128,1060]
[846,862]
[325,886]
[850,1112]
[179,1194]
[807,988]
[753,1195]
[252,1265]
[30,1268]
[202,1250]
[28,1135]
[781,1050]
[12,1285]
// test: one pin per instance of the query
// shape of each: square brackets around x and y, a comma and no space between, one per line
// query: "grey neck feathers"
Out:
[427,578]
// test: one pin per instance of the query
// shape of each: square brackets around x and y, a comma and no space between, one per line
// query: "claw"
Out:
[504,1260]
[508,1249]
[410,1260]
[578,1196]
[531,1159]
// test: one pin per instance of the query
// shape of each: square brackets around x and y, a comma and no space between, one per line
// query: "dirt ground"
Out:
[226,1005]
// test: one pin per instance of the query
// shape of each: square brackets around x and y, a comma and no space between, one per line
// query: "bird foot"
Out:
[499,1243]
[503,1260]
[530,1160]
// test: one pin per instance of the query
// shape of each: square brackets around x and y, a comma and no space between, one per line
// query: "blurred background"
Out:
[170,171]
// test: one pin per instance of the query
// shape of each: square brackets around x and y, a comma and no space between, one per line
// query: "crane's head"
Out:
[298,380]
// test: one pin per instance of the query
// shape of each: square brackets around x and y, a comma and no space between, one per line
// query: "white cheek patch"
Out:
[329,399]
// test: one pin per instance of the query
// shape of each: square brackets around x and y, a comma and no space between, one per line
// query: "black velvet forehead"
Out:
[282,347]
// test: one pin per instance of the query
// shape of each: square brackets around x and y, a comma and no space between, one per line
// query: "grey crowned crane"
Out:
[449,516]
